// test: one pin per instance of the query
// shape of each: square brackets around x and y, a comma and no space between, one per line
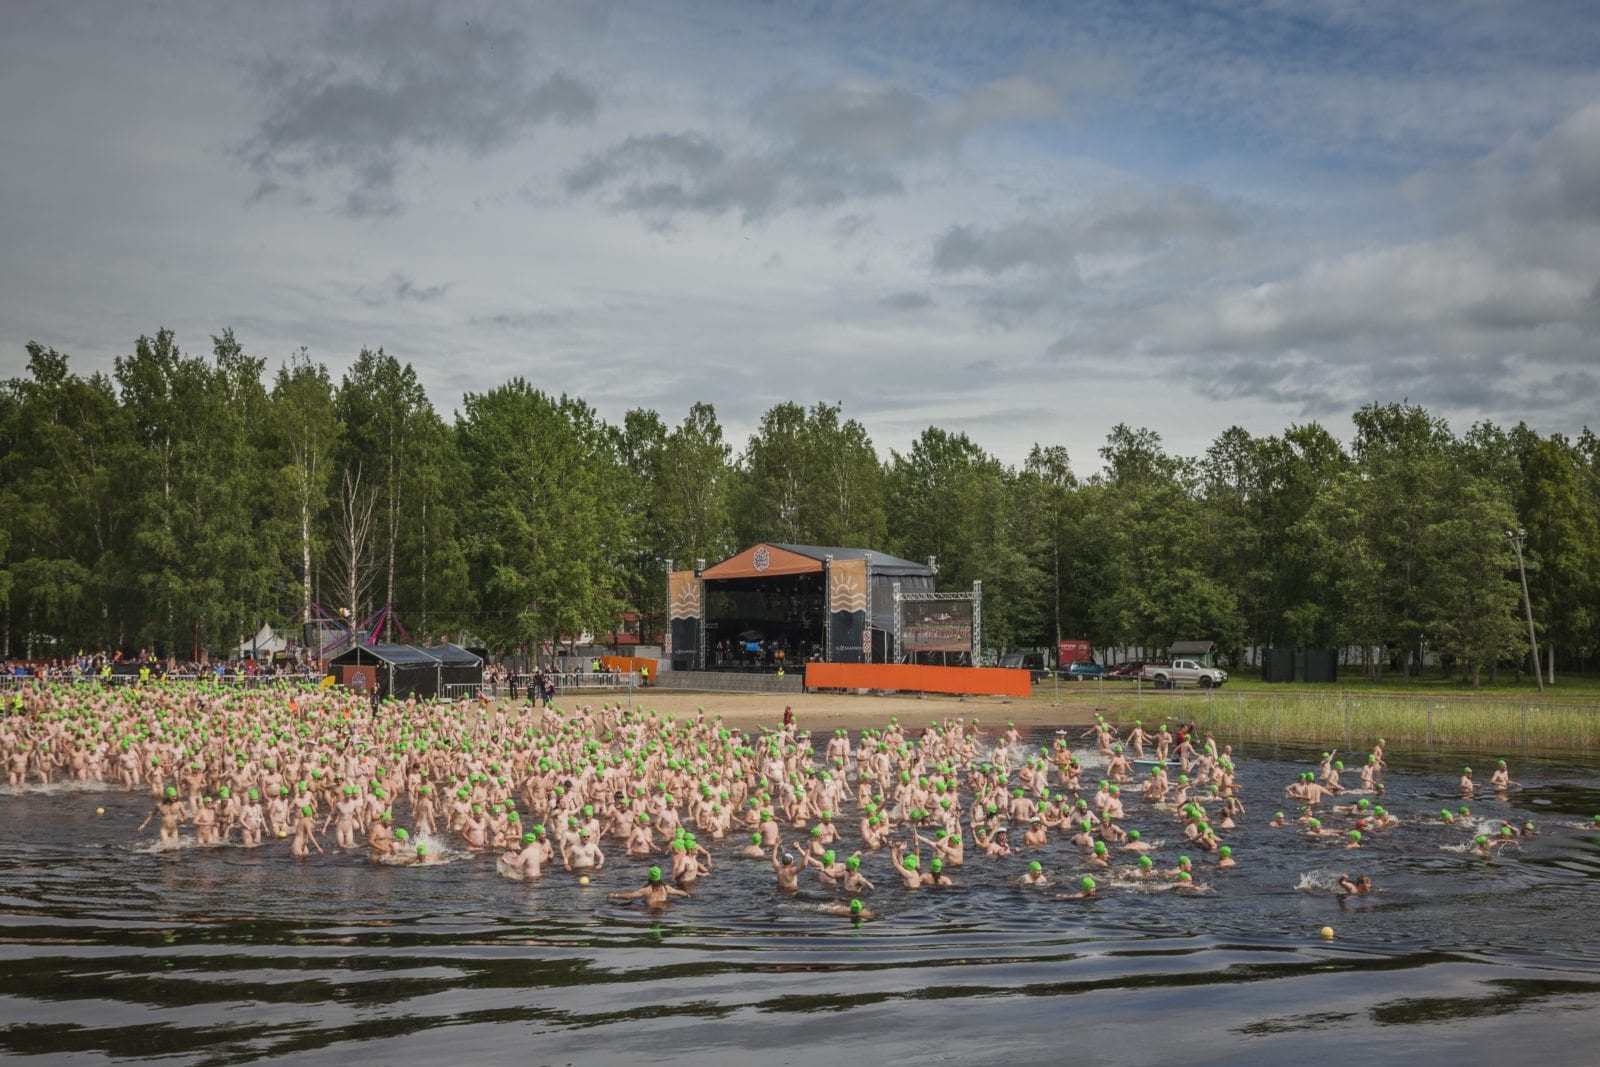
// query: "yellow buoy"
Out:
[99,811]
[1327,933]
[283,833]
[583,879]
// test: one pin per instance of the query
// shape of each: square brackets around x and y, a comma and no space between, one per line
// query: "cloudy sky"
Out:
[1027,221]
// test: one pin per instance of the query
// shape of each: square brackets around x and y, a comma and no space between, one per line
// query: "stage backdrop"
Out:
[847,604]
[684,609]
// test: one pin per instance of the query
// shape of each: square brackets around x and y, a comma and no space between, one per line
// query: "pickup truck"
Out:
[1184,672]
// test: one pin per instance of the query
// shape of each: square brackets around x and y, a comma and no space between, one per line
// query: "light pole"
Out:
[1516,537]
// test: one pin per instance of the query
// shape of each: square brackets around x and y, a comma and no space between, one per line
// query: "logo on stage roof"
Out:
[762,559]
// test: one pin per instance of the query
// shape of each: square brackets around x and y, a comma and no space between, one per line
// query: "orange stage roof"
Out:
[763,561]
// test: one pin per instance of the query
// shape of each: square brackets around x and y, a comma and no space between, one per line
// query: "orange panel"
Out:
[629,664]
[911,678]
[763,561]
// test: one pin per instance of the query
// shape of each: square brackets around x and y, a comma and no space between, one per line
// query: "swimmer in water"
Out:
[1087,889]
[170,810]
[1225,857]
[906,866]
[1035,875]
[655,892]
[1361,886]
[305,832]
[1501,779]
[853,910]
[854,880]
[529,861]
[788,869]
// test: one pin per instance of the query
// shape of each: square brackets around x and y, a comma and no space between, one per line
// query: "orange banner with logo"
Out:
[913,678]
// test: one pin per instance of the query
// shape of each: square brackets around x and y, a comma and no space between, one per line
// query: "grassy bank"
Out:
[1353,719]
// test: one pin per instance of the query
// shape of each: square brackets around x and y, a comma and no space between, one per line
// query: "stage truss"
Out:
[902,598]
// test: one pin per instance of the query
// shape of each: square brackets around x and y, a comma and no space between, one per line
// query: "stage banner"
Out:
[684,600]
[847,606]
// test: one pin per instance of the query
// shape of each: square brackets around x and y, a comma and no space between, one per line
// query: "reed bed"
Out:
[1355,720]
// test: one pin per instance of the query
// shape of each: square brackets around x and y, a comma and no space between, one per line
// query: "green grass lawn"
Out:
[1351,715]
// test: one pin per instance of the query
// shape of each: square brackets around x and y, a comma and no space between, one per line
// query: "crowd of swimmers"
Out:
[537,789]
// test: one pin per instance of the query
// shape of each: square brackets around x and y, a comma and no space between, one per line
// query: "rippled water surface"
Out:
[223,955]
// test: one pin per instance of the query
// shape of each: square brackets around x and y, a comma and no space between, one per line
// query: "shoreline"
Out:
[818,712]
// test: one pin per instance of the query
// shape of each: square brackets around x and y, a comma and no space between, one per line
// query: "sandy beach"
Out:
[829,711]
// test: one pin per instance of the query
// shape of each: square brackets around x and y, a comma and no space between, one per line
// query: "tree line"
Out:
[181,500]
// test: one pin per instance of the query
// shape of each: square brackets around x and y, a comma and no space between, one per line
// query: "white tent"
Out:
[265,644]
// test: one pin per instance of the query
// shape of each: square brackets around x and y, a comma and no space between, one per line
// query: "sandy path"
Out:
[828,711]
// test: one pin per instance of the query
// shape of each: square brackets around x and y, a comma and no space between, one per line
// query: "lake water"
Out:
[221,955]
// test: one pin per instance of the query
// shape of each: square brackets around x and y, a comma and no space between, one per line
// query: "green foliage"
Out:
[809,478]
[181,502]
[548,534]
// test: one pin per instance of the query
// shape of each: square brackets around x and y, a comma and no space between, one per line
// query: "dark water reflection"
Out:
[217,956]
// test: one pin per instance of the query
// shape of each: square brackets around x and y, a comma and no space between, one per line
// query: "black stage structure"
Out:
[400,671]
[784,605]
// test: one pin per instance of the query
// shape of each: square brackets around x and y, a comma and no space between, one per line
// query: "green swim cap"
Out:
[172,791]
[1087,883]
[1035,866]
[827,857]
[655,874]
[855,907]
[305,810]
[1182,860]
[912,862]
[1133,835]
[1226,850]
[1146,862]
[422,850]
[1355,835]
[1480,839]
[853,862]
[1185,876]
[402,834]
[1099,848]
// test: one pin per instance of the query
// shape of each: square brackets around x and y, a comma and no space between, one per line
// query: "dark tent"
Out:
[407,670]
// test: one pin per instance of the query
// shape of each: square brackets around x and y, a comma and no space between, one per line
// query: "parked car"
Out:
[1032,662]
[1126,672]
[1082,670]
[1185,672]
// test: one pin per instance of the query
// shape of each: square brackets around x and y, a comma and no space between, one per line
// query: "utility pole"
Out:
[1516,537]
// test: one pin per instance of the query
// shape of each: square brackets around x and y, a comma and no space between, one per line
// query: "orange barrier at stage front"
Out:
[629,664]
[911,678]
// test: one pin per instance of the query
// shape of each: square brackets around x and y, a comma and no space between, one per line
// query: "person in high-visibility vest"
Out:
[644,674]
[144,673]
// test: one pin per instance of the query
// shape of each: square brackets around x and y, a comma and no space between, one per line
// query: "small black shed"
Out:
[407,670]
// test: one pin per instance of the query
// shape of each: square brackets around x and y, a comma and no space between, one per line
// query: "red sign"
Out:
[1071,651]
